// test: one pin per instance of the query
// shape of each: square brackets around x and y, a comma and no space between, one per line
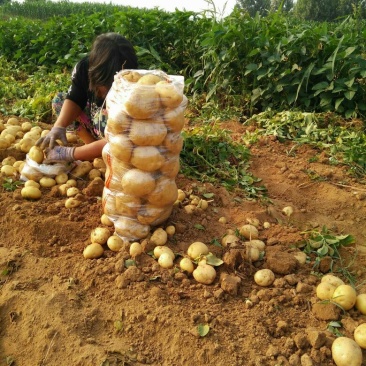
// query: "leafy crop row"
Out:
[241,63]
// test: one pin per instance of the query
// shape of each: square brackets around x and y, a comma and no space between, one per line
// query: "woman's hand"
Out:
[56,133]
[59,154]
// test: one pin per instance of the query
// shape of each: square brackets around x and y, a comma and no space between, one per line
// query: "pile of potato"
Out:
[145,119]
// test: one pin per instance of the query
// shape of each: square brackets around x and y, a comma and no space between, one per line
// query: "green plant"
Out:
[11,185]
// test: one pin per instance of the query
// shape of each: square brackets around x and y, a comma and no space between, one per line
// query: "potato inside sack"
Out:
[147,158]
[173,142]
[127,205]
[148,133]
[131,76]
[171,96]
[108,202]
[171,165]
[174,119]
[143,102]
[149,79]
[165,192]
[121,147]
[130,229]
[118,123]
[153,215]
[138,183]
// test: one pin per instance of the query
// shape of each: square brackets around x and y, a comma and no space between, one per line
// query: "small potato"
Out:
[105,220]
[94,173]
[36,153]
[100,235]
[9,170]
[160,249]
[332,279]
[72,191]
[82,169]
[345,296]
[255,243]
[249,231]
[61,178]
[186,265]
[204,273]
[31,193]
[72,202]
[26,126]
[47,182]
[31,183]
[135,249]
[26,144]
[346,352]
[170,230]
[13,121]
[325,290]
[98,163]
[71,137]
[159,237]
[181,195]
[10,160]
[361,303]
[360,335]
[4,144]
[115,243]
[197,249]
[9,138]
[264,277]
[93,251]
[166,260]
[230,240]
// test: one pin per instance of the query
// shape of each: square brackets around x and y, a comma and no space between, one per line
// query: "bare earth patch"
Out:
[57,308]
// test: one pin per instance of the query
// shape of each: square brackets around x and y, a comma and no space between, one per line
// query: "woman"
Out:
[84,102]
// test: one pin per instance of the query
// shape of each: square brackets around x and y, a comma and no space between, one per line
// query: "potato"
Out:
[100,235]
[93,251]
[186,265]
[166,260]
[170,230]
[26,144]
[332,279]
[13,121]
[72,202]
[72,191]
[346,352]
[9,138]
[94,173]
[61,178]
[47,182]
[173,142]
[130,228]
[171,165]
[153,215]
[4,144]
[160,249]
[149,79]
[36,153]
[31,193]
[345,296]
[26,126]
[169,94]
[165,192]
[264,277]
[71,137]
[135,249]
[197,249]
[118,123]
[121,147]
[115,243]
[127,205]
[138,183]
[143,102]
[131,76]
[249,231]
[99,164]
[255,243]
[325,290]
[181,195]
[159,237]
[31,183]
[204,273]
[360,335]
[147,158]
[82,169]
[9,170]
[230,240]
[361,303]
[145,133]
[105,220]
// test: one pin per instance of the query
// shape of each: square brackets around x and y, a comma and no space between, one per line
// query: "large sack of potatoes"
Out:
[145,119]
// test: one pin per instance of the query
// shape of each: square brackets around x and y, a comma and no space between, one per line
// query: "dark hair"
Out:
[109,54]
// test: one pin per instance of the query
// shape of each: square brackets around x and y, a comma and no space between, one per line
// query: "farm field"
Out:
[58,308]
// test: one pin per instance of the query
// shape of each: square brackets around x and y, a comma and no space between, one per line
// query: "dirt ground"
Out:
[58,308]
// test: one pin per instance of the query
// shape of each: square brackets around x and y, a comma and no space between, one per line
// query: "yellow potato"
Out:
[147,158]
[26,144]
[9,170]
[264,277]
[13,121]
[138,183]
[31,183]
[345,296]
[72,202]
[165,193]
[173,142]
[4,144]
[10,160]
[115,243]
[47,182]
[131,76]
[127,205]
[346,352]
[146,133]
[170,96]
[82,169]
[31,192]
[100,235]
[26,126]
[159,238]
[130,228]
[93,251]
[143,102]
[361,303]
[174,119]
[149,79]
[204,273]
[197,249]
[171,166]
[325,290]
[153,215]
[332,279]
[121,147]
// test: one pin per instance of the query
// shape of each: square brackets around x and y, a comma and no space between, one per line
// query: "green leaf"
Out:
[338,103]
[323,85]
[118,325]
[203,329]
[208,195]
[213,260]
[130,263]
[349,94]
[199,227]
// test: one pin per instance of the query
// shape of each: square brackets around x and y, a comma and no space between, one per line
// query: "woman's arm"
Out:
[90,151]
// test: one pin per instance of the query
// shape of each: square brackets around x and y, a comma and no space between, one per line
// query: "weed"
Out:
[11,185]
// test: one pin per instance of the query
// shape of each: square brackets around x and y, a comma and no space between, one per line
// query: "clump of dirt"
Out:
[58,308]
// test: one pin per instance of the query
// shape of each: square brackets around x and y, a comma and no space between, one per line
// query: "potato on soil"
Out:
[332,279]
[61,178]
[346,352]
[264,277]
[345,296]
[230,240]
[100,235]
[105,220]
[204,273]
[159,237]
[166,260]
[93,251]
[361,303]
[186,265]
[249,231]
[325,290]
[32,183]
[115,243]
[31,192]
[47,182]
[9,170]
[82,169]
[160,249]
[135,249]
[360,335]
[72,202]
[197,249]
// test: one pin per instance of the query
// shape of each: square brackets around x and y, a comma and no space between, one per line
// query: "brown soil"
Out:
[57,308]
